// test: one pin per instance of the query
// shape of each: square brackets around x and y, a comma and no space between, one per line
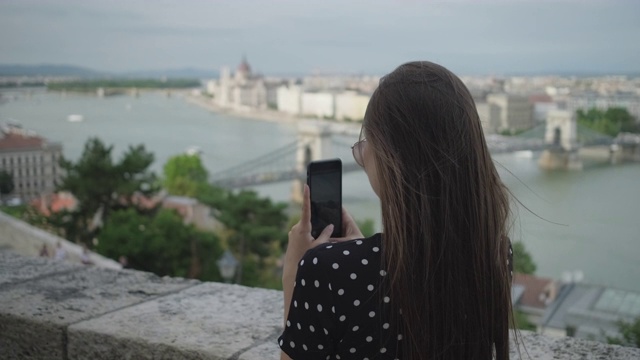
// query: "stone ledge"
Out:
[60,311]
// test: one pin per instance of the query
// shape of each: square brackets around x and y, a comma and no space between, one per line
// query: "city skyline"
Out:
[286,37]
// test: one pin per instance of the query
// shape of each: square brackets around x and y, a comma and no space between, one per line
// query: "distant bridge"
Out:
[321,141]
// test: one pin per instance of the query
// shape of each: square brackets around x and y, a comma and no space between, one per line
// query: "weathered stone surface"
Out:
[15,268]
[24,239]
[267,351]
[212,321]
[540,347]
[34,314]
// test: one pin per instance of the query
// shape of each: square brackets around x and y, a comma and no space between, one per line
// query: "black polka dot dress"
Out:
[337,310]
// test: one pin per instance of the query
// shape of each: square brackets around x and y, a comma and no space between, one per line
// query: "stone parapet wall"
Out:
[54,310]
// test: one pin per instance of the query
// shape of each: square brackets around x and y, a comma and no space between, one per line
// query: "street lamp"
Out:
[227,265]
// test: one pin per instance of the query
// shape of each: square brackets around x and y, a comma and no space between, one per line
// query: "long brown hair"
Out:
[444,214]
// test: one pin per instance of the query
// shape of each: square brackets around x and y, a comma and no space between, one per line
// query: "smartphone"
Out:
[325,190]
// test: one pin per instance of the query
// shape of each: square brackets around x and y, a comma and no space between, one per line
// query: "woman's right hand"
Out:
[350,228]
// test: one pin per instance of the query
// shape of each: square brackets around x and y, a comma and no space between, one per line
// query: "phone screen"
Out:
[325,184]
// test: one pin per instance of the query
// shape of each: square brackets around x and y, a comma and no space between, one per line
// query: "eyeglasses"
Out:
[356,149]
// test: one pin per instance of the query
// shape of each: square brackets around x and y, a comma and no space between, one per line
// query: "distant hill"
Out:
[82,72]
[48,70]
[182,73]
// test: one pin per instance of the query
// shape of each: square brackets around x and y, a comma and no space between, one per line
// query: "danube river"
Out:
[587,221]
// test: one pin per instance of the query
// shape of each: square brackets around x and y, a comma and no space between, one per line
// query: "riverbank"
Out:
[337,127]
[264,115]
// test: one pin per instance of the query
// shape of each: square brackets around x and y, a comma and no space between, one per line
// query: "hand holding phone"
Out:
[325,189]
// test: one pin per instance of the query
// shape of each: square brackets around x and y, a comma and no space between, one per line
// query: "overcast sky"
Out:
[286,36]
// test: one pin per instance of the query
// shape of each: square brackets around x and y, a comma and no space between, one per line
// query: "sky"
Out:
[328,36]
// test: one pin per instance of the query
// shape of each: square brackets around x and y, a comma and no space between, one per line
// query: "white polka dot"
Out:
[311,328]
[386,299]
[346,252]
[353,276]
[333,309]
[306,305]
[281,342]
[356,303]
[304,347]
[316,283]
[299,326]
[295,303]
[372,313]
[319,308]
[355,328]
[369,339]
[383,350]
[385,326]
[338,357]
[315,260]
[376,249]
[359,242]
[326,332]
[302,262]
[370,287]
[364,261]
[320,346]
[343,318]
[341,292]
[352,350]
[329,247]
[330,286]
[288,323]
[302,282]
[399,336]
[383,273]
[335,265]
[292,344]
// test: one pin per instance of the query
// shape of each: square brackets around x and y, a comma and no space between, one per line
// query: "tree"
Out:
[161,244]
[6,182]
[610,122]
[102,186]
[256,224]
[522,260]
[184,175]
[630,332]
[522,321]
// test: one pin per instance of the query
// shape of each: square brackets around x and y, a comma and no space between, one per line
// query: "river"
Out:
[586,221]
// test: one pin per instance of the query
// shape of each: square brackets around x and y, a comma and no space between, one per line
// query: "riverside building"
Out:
[32,160]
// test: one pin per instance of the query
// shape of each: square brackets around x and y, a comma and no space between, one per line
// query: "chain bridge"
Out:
[559,139]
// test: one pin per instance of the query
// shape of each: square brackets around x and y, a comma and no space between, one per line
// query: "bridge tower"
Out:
[561,138]
[314,143]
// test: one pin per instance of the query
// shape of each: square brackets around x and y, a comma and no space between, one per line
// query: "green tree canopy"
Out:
[6,182]
[630,334]
[184,175]
[610,122]
[101,185]
[161,244]
[522,261]
[256,224]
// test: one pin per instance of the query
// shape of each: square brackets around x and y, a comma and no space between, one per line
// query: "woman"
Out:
[436,283]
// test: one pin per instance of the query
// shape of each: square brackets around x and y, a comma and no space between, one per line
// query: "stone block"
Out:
[15,268]
[35,314]
[267,351]
[208,321]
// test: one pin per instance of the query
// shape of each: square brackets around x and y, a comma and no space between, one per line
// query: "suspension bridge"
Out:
[559,138]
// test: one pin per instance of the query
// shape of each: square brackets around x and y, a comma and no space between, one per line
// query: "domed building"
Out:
[243,90]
